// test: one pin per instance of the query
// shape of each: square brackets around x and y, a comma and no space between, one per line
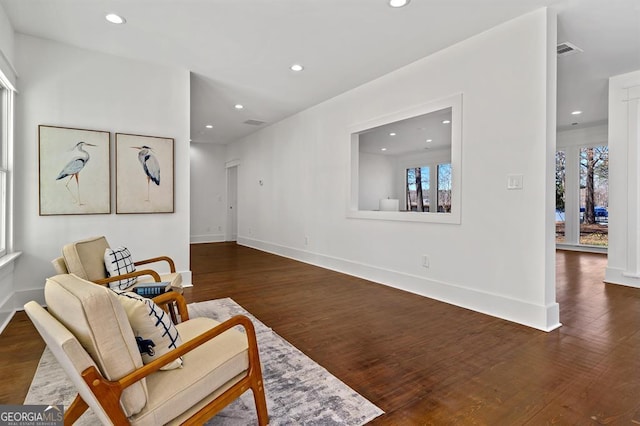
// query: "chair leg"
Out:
[261,402]
[75,410]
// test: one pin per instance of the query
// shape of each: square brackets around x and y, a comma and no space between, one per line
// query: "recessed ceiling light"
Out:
[446,121]
[238,106]
[296,67]
[398,3]
[576,112]
[383,149]
[392,134]
[209,126]
[429,140]
[115,19]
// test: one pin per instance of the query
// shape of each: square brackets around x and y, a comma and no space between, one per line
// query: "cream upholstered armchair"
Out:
[86,259]
[90,334]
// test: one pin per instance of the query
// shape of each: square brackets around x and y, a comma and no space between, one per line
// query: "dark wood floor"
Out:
[422,361]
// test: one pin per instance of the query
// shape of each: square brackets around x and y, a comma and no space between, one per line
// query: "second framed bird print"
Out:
[144,174]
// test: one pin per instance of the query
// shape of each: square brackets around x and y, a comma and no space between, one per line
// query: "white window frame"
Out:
[7,95]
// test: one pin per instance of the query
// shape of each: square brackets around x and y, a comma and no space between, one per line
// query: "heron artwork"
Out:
[150,165]
[74,167]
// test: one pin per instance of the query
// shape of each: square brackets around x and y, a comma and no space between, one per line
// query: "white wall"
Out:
[592,135]
[7,47]
[500,259]
[624,180]
[208,192]
[66,86]
[376,173]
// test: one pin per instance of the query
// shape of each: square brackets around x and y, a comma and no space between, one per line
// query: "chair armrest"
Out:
[172,265]
[109,392]
[190,345]
[154,274]
[165,299]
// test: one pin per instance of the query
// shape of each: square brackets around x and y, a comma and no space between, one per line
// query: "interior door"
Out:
[232,201]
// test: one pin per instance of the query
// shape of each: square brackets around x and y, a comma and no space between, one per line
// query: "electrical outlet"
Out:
[219,228]
[306,240]
[425,261]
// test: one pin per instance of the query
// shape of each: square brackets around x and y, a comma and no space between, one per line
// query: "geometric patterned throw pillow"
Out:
[155,333]
[118,262]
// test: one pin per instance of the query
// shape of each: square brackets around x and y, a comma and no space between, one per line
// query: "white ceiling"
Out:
[239,51]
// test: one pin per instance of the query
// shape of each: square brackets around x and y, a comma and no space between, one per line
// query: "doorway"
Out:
[231,233]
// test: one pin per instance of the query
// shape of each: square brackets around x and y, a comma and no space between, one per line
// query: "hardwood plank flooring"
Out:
[422,361]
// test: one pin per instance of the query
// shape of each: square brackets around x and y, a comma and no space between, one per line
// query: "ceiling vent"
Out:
[566,49]
[254,122]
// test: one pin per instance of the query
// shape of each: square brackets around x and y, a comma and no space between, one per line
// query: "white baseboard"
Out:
[619,276]
[541,317]
[186,278]
[16,301]
[7,311]
[207,238]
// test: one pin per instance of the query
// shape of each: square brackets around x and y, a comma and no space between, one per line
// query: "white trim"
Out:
[582,248]
[4,80]
[496,305]
[207,238]
[620,277]
[5,318]
[186,278]
[231,163]
[15,302]
[8,260]
[7,311]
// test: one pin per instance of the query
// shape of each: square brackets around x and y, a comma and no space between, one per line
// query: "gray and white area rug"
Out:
[298,390]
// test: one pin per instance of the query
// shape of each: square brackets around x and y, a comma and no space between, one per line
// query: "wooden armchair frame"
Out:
[142,272]
[108,393]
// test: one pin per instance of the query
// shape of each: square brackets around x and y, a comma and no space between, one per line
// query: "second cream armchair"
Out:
[85,259]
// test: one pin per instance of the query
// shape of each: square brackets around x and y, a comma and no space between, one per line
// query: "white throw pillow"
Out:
[155,333]
[118,261]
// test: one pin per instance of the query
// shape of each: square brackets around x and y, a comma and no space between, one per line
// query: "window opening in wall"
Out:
[561,163]
[418,186]
[394,162]
[594,196]
[444,188]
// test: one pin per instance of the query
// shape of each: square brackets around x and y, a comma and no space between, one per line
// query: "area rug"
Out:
[298,390]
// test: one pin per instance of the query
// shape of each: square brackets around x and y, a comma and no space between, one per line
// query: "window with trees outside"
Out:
[561,173]
[420,193]
[592,200]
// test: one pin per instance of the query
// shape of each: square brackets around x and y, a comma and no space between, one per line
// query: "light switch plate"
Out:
[514,181]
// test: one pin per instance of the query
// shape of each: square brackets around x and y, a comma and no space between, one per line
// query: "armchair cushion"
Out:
[155,333]
[85,258]
[217,364]
[81,307]
[118,261]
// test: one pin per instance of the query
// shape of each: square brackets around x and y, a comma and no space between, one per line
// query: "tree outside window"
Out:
[444,188]
[418,185]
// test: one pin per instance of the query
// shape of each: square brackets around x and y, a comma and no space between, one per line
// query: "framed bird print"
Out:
[74,169]
[144,174]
